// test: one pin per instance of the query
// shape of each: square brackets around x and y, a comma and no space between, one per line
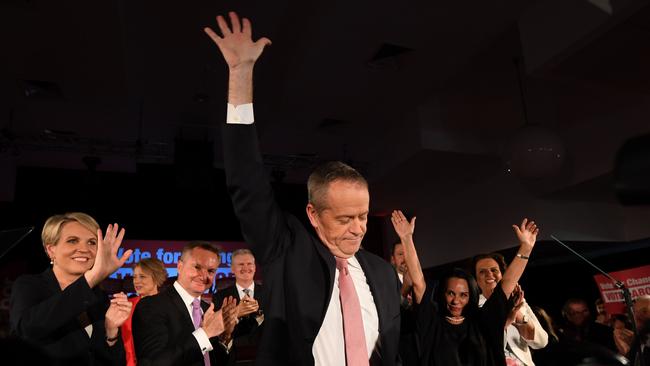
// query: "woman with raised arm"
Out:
[523,330]
[62,310]
[452,329]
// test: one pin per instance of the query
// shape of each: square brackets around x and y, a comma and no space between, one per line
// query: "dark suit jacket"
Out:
[247,331]
[298,268]
[162,333]
[247,325]
[47,317]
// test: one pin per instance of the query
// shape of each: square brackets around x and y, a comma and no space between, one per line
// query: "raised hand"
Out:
[236,43]
[402,226]
[212,322]
[526,233]
[106,261]
[117,313]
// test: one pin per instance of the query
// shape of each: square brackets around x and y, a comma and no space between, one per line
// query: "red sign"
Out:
[637,280]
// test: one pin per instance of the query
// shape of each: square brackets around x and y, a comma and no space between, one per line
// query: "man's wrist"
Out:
[243,67]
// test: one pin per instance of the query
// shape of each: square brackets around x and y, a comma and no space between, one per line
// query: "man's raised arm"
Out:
[240,52]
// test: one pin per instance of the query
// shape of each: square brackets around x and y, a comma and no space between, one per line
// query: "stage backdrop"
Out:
[168,251]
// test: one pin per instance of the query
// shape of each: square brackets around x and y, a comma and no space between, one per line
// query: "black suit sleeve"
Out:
[263,223]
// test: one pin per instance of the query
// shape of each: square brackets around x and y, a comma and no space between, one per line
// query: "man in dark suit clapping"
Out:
[176,327]
[248,294]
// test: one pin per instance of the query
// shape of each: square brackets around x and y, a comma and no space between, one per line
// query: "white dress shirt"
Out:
[329,346]
[241,114]
[199,334]
[241,289]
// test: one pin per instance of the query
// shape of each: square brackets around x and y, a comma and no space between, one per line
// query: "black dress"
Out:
[50,319]
[478,341]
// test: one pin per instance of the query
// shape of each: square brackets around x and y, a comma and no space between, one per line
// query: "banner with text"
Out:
[637,280]
[168,251]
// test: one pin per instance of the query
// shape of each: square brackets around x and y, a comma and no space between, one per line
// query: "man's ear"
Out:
[312,213]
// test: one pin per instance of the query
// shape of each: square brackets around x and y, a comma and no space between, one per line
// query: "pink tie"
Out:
[356,352]
[196,318]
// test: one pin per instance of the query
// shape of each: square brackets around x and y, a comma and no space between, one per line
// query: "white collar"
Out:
[354,262]
[187,298]
[242,288]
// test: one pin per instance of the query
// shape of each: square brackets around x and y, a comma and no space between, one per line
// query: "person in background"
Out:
[176,327]
[579,327]
[546,356]
[407,340]
[625,339]
[148,276]
[523,330]
[247,294]
[62,310]
[452,329]
[602,317]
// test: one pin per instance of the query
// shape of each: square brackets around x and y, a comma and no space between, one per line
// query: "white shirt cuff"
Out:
[204,341]
[241,114]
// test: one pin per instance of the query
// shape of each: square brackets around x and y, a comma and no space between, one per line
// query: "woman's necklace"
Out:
[455,320]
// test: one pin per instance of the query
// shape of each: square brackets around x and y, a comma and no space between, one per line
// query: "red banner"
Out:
[637,280]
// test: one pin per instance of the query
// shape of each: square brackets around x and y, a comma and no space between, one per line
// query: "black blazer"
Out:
[298,268]
[247,331]
[162,333]
[248,324]
[47,318]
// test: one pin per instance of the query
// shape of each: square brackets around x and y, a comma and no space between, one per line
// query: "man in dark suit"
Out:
[407,342]
[250,317]
[176,327]
[328,301]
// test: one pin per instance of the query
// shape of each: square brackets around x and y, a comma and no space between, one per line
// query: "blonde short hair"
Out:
[52,229]
[155,268]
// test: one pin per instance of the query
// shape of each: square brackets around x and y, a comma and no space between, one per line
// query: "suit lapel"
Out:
[330,262]
[363,261]
[177,302]
[235,293]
